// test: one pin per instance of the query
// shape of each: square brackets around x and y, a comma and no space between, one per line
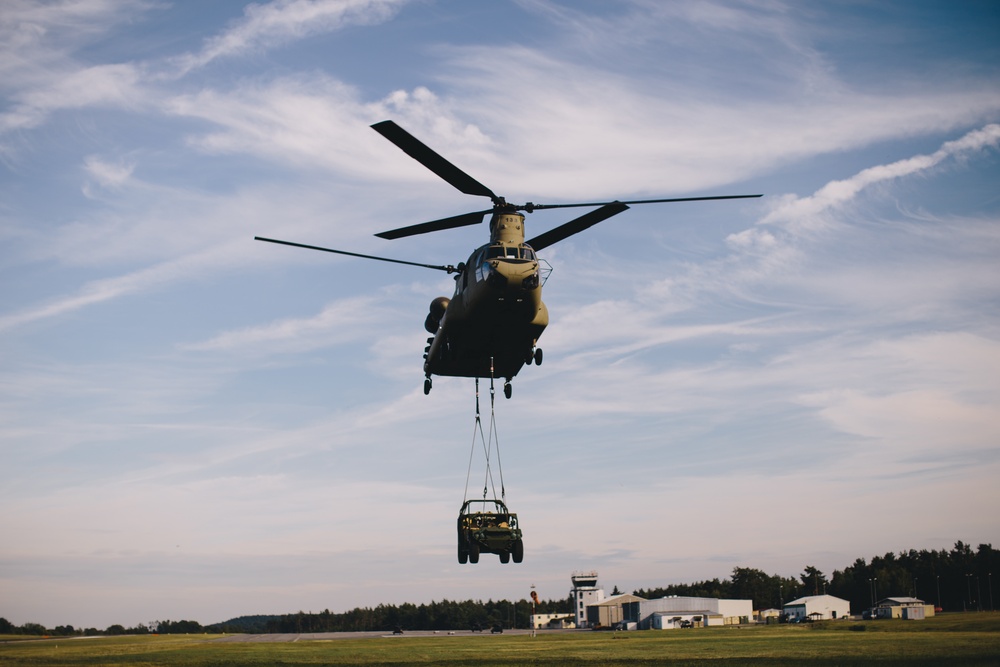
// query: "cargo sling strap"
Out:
[489,445]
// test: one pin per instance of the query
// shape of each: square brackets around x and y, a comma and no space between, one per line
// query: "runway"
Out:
[332,636]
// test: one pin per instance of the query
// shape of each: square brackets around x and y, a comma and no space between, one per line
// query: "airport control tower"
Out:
[585,592]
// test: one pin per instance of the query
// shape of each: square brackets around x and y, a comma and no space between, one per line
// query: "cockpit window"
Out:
[510,252]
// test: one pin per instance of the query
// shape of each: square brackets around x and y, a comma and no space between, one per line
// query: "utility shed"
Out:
[714,610]
[904,607]
[817,607]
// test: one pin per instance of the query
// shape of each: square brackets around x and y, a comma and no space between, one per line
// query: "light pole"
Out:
[938,578]
[534,595]
[968,583]
[915,588]
[989,584]
[979,596]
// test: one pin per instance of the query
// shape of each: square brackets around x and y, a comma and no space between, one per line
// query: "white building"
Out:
[584,592]
[672,612]
[817,607]
[552,621]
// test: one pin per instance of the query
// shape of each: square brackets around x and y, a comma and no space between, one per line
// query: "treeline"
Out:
[156,627]
[443,615]
[955,580]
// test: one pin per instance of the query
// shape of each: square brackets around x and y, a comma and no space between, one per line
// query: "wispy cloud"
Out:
[101,85]
[107,289]
[109,174]
[336,322]
[268,25]
[803,211]
[39,69]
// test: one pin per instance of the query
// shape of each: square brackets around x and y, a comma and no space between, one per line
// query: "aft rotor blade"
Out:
[538,207]
[449,269]
[430,159]
[578,225]
[436,225]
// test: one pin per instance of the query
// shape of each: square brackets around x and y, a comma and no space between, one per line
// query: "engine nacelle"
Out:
[438,307]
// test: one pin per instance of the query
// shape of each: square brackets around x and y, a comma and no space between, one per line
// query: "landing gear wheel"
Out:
[504,556]
[427,386]
[473,552]
[507,389]
[463,555]
[538,356]
[517,552]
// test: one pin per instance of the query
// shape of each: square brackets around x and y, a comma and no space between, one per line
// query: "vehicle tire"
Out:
[517,552]
[504,556]
[507,389]
[538,356]
[474,552]
[463,555]
[427,386]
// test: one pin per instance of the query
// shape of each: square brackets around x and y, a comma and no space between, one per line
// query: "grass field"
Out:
[957,639]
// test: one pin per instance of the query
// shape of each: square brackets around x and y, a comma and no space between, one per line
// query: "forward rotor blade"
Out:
[578,225]
[538,207]
[449,269]
[436,225]
[430,159]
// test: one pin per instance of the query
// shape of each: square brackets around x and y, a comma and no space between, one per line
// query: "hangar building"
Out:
[817,608]
[610,612]
[675,611]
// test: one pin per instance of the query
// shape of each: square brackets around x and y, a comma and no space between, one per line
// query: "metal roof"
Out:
[900,601]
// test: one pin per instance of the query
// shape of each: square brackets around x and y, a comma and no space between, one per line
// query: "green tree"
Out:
[813,580]
[751,584]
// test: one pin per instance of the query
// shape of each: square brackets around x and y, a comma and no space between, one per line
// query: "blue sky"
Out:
[195,425]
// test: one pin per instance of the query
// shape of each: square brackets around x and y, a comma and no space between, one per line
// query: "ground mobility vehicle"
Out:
[492,529]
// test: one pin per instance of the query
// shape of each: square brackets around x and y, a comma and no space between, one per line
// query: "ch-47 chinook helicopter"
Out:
[491,325]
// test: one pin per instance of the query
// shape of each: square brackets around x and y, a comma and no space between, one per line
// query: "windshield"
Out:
[510,252]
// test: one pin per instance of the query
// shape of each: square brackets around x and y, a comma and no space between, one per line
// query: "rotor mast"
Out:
[507,226]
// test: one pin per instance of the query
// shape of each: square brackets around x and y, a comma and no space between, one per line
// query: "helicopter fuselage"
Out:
[491,324]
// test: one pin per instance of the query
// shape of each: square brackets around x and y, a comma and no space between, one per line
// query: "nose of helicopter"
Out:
[515,277]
